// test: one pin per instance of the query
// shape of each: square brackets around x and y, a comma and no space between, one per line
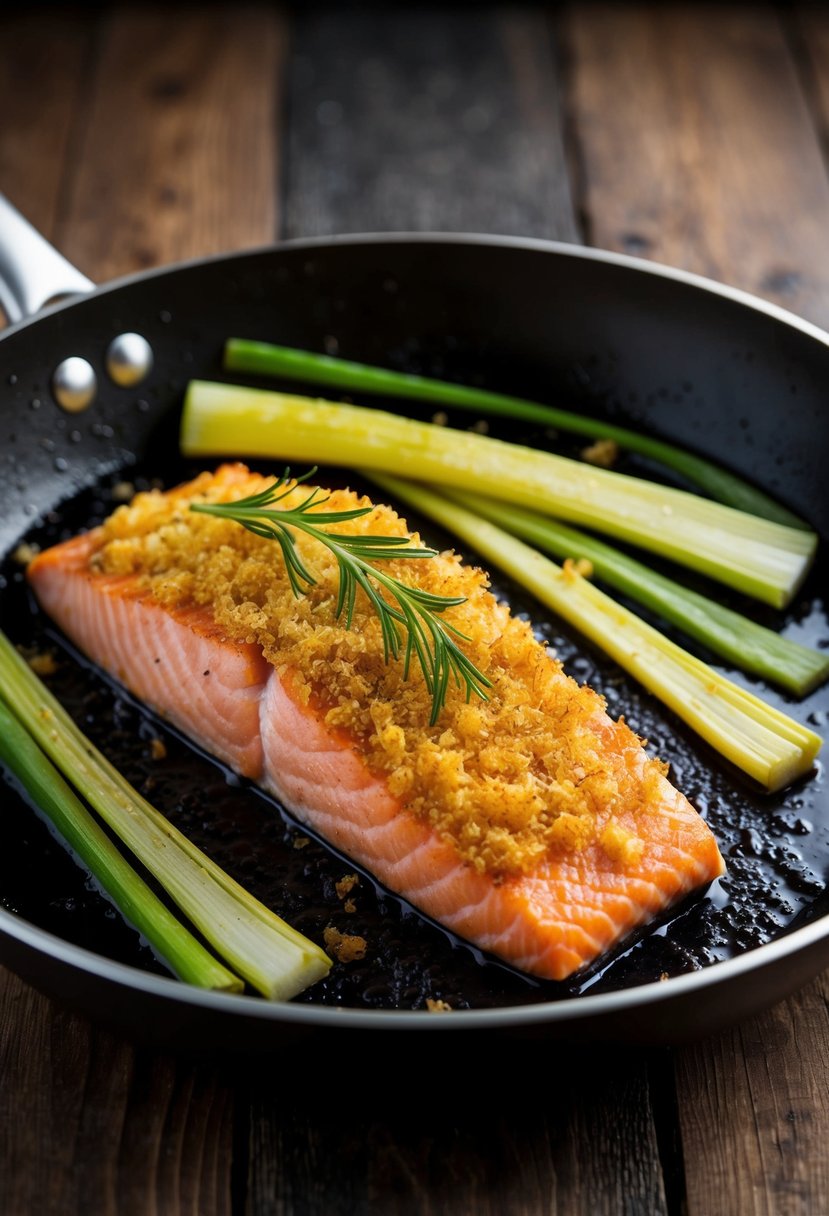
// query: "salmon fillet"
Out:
[571,908]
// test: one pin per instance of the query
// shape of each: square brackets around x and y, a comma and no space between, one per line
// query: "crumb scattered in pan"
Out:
[438,1006]
[123,491]
[481,427]
[346,885]
[349,906]
[604,453]
[345,947]
[42,663]
[157,749]
[24,553]
[440,418]
[301,842]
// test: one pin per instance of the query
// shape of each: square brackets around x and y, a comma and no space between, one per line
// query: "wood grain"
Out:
[808,29]
[179,153]
[754,1113]
[428,120]
[44,57]
[419,119]
[133,136]
[578,1139]
[87,1124]
[697,148]
[138,136]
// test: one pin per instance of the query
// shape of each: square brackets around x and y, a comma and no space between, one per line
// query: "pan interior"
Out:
[775,848]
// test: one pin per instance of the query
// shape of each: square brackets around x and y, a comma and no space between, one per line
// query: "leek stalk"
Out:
[756,556]
[268,359]
[747,645]
[268,953]
[766,744]
[136,902]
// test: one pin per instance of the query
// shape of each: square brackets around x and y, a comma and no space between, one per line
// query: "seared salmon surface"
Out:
[531,824]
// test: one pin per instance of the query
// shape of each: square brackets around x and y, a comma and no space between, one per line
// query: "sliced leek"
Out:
[268,953]
[747,645]
[266,358]
[756,556]
[766,744]
[136,902]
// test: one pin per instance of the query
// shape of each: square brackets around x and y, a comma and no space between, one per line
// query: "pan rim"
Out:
[575,1009]
[737,295]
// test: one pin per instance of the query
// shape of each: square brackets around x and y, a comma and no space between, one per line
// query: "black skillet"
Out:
[709,367]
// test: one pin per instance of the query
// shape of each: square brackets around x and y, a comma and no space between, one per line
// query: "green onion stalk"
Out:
[761,558]
[750,647]
[765,743]
[136,902]
[271,956]
[269,359]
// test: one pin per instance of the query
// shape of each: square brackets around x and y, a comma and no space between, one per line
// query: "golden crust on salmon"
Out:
[531,824]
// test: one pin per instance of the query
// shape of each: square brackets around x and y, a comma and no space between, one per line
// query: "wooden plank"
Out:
[755,1113]
[721,174]
[415,121]
[179,154]
[160,145]
[575,1140]
[43,65]
[808,29]
[697,148]
[596,1151]
[405,119]
[89,1125]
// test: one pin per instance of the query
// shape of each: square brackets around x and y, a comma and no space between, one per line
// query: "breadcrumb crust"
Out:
[536,770]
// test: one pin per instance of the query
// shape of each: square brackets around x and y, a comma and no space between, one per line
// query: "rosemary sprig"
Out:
[415,613]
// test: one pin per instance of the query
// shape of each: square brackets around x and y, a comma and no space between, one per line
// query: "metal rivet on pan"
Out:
[129,359]
[74,384]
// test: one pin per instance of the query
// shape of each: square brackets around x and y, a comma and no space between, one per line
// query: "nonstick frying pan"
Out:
[711,368]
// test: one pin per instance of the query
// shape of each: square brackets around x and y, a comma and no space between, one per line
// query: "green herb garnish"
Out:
[416,613]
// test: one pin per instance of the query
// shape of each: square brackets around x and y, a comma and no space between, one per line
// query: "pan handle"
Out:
[31,272]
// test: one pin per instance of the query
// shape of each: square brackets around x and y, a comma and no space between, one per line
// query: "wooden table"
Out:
[694,135]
